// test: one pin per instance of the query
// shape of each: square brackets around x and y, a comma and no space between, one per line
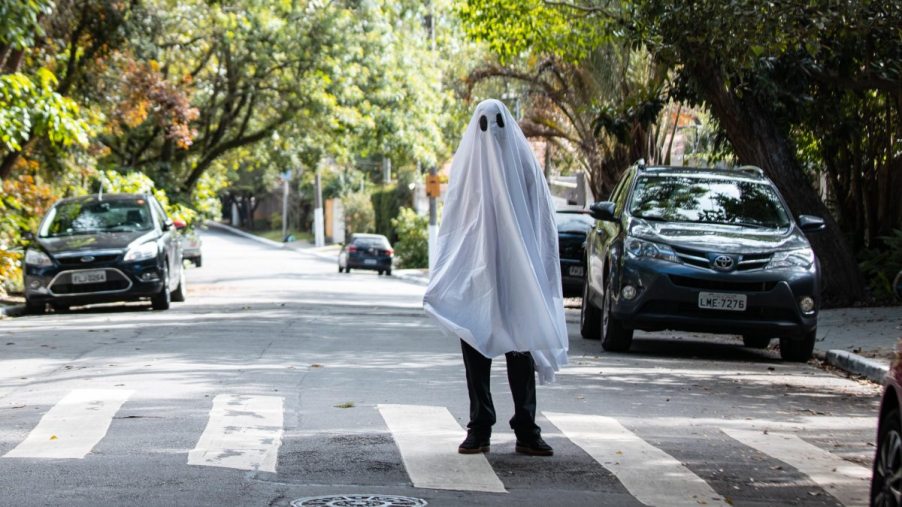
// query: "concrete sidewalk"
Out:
[861,341]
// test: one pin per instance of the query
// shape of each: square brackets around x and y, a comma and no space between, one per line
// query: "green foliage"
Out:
[19,21]
[387,203]
[358,213]
[881,265]
[412,246]
[32,108]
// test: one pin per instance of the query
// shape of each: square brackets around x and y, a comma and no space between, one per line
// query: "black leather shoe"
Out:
[473,444]
[536,447]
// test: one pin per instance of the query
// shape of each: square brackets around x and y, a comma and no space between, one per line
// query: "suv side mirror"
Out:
[811,223]
[179,224]
[603,210]
[28,236]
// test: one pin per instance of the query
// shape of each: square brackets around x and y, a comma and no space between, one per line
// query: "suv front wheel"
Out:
[798,350]
[615,337]
[589,317]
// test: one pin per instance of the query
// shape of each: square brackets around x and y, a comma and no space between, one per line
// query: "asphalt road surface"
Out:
[281,380]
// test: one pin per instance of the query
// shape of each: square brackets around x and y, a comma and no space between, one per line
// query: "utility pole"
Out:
[433,189]
[318,224]
[386,170]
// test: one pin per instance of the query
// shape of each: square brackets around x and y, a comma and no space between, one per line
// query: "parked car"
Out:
[886,480]
[191,247]
[704,250]
[104,248]
[366,251]
[573,226]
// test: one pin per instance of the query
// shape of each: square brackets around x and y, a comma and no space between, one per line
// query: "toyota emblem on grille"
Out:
[723,262]
[87,258]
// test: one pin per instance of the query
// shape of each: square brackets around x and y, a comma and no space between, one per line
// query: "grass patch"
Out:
[347,404]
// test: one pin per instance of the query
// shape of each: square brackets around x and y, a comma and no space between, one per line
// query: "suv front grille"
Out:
[725,285]
[701,258]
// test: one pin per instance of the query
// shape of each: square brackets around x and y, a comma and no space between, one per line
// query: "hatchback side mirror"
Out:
[179,224]
[603,210]
[811,223]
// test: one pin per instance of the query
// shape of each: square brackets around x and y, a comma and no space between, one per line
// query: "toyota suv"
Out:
[705,250]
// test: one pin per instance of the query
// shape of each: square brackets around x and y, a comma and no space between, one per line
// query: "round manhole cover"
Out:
[359,501]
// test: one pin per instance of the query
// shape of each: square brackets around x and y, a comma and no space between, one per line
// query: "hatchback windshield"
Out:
[92,216]
[710,200]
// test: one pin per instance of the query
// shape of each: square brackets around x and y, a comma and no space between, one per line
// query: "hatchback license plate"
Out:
[721,301]
[88,277]
[575,271]
[369,262]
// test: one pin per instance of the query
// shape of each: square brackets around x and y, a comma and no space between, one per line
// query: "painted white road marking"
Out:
[848,482]
[243,432]
[648,473]
[427,438]
[72,427]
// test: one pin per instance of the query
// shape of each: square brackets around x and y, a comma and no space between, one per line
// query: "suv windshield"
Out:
[707,199]
[92,216]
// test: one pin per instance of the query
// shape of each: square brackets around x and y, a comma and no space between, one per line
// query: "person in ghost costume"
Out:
[496,283]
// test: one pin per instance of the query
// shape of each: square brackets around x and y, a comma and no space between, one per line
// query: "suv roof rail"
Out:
[751,169]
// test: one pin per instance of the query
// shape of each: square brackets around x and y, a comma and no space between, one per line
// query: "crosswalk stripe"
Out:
[73,426]
[243,432]
[648,473]
[427,438]
[846,481]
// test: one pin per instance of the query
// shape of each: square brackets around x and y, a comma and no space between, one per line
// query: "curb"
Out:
[411,278]
[855,364]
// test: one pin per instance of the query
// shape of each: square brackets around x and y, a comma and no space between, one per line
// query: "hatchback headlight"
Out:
[798,258]
[141,252]
[37,258]
[638,248]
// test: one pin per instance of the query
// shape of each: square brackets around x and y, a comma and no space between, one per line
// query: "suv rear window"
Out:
[708,199]
[92,216]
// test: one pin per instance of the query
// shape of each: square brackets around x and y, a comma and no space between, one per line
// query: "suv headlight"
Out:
[638,248]
[141,252]
[37,258]
[800,257]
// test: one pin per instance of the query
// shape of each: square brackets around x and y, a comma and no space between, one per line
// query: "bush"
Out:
[359,214]
[880,266]
[387,204]
[412,245]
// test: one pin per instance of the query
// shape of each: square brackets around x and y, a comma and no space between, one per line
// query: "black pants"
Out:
[522,380]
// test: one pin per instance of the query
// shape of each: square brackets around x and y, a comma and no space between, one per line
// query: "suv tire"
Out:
[34,308]
[798,349]
[615,337]
[589,317]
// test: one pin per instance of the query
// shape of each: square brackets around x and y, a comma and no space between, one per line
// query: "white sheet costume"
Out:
[496,282]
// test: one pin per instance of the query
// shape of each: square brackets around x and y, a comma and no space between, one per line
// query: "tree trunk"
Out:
[757,140]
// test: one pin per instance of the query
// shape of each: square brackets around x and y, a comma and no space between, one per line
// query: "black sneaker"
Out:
[473,444]
[535,447]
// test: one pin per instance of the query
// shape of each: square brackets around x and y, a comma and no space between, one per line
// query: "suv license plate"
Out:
[575,271]
[88,277]
[721,301]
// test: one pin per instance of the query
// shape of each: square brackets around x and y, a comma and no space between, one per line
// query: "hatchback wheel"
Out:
[886,481]
[797,349]
[178,295]
[34,308]
[755,342]
[589,317]
[380,272]
[614,337]
[340,269]
[161,301]
[387,272]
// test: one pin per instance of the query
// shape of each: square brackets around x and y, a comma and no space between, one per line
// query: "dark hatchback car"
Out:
[703,250]
[366,251]
[886,481]
[104,248]
[573,226]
